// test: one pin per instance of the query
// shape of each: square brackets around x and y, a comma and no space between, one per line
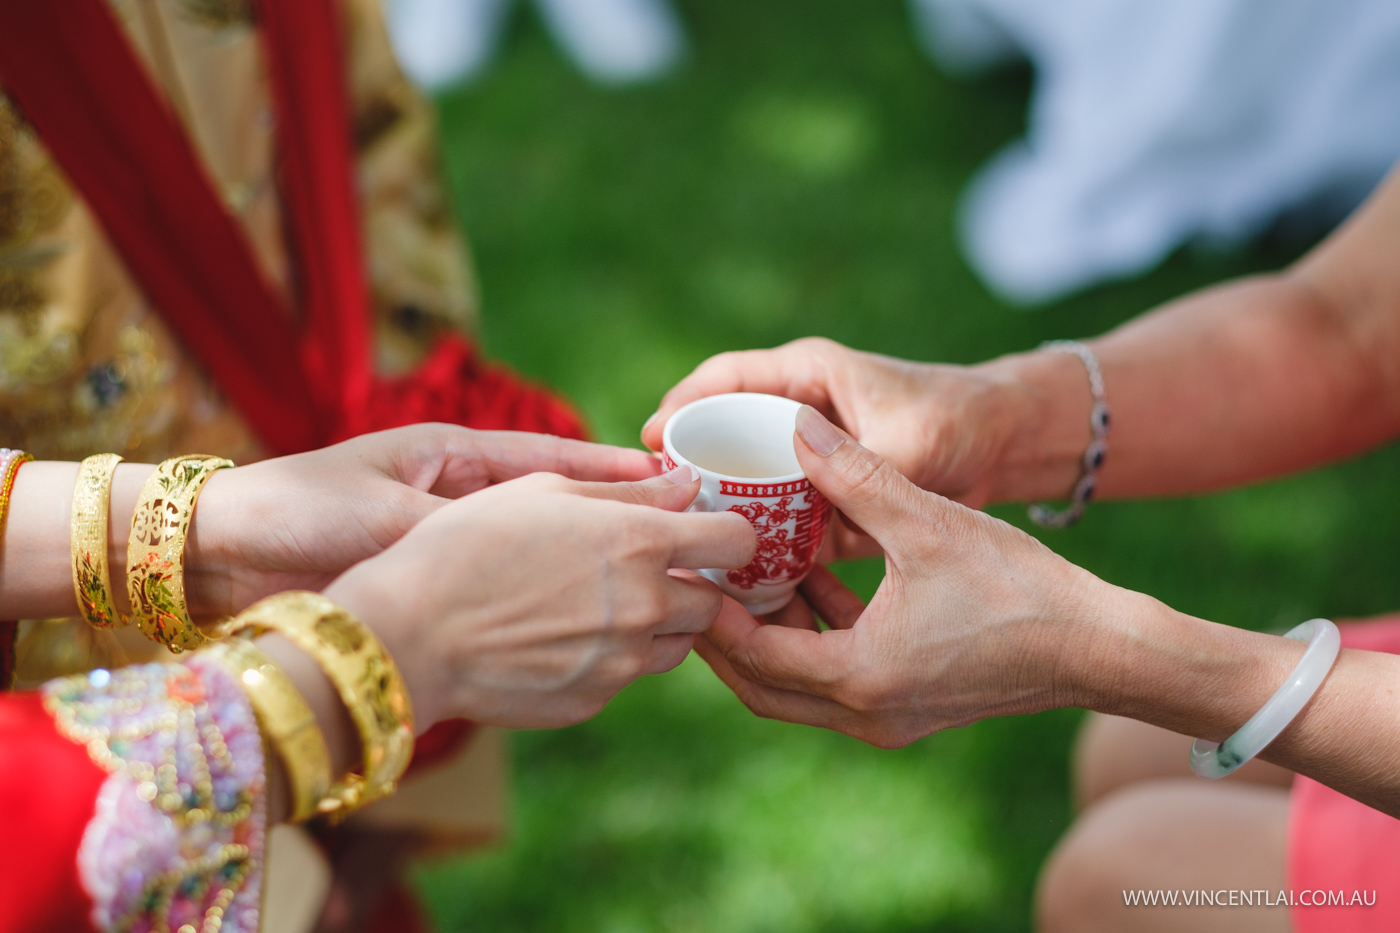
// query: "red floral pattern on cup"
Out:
[790,519]
[790,531]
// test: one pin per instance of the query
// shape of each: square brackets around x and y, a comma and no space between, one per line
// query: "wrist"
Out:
[342,740]
[1043,405]
[208,548]
[1146,661]
[389,612]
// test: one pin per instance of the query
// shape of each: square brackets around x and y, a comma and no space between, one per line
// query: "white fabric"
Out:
[442,42]
[616,41]
[1156,121]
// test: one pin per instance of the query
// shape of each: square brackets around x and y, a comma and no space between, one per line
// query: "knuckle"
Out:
[635,540]
[551,482]
[757,703]
[865,476]
[864,694]
[731,361]
[632,666]
[890,737]
[815,345]
[649,608]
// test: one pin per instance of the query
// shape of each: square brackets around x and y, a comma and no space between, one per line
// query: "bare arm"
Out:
[1239,382]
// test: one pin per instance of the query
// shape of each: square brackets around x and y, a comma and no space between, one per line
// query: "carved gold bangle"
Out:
[287,723]
[155,554]
[92,581]
[364,675]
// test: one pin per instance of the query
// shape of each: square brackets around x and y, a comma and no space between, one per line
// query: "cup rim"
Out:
[767,398]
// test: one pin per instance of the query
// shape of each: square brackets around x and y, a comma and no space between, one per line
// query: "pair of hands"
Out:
[532,602]
[973,619]
[517,579]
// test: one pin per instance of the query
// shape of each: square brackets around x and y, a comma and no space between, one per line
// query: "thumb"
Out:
[858,481]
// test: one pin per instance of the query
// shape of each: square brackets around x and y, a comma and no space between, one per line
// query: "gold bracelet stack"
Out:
[92,581]
[364,675]
[155,556]
[287,723]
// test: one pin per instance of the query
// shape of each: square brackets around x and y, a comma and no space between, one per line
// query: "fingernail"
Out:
[646,424]
[681,475]
[818,433]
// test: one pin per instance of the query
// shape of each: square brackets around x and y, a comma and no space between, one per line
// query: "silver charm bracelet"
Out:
[1043,515]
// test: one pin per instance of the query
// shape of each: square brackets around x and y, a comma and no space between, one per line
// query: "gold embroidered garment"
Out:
[86,364]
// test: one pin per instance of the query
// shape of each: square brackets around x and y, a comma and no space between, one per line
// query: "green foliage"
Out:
[800,176]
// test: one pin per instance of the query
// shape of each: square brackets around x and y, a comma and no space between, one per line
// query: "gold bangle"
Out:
[10,460]
[287,723]
[155,554]
[92,582]
[364,675]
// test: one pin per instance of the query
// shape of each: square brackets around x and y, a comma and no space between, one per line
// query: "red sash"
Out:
[299,385]
[68,65]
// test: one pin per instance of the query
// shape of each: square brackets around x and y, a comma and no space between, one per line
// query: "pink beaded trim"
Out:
[177,842]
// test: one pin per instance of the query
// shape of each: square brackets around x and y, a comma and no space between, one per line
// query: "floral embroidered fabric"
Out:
[177,840]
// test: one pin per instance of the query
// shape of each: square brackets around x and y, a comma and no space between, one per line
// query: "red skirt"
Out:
[1338,845]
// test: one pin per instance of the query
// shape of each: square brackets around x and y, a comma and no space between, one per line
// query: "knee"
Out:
[1074,883]
[1112,753]
[1107,850]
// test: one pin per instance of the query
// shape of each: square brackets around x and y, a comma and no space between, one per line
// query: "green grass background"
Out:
[799,176]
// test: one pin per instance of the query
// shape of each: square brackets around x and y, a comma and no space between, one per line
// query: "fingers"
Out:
[520,453]
[477,458]
[796,614]
[690,604]
[858,481]
[667,652]
[700,540]
[692,541]
[831,599]
[777,656]
[672,491]
[796,370]
[771,702]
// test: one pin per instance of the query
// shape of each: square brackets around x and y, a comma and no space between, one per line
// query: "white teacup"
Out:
[741,444]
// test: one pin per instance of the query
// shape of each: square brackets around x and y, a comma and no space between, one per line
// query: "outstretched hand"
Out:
[531,603]
[297,522]
[941,426]
[971,620]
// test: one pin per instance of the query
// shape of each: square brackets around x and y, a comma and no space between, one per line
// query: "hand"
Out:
[973,619]
[944,427]
[297,522]
[531,603]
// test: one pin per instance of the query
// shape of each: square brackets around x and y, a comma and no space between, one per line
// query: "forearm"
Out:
[1237,383]
[1203,679]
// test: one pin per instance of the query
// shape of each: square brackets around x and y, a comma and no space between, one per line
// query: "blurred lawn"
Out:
[799,177]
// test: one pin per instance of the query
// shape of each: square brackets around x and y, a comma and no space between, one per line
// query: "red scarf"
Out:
[69,67]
